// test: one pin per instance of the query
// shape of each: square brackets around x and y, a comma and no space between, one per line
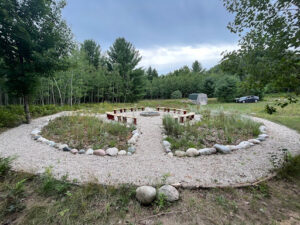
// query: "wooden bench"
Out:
[110,115]
[189,116]
[132,117]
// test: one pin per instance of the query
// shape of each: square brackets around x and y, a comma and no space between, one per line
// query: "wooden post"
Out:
[134,121]
[124,119]
[115,111]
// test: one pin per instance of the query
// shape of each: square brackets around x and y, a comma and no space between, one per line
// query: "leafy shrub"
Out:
[176,95]
[9,118]
[226,89]
[290,168]
[270,109]
[5,165]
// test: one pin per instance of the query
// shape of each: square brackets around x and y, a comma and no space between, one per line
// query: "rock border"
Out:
[36,135]
[217,148]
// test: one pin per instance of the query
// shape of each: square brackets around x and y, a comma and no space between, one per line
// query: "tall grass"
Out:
[86,131]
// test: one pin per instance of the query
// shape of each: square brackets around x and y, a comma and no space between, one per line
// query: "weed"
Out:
[52,186]
[161,202]
[5,165]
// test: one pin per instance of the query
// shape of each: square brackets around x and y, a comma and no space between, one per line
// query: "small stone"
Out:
[129,153]
[145,194]
[66,149]
[232,147]
[222,149]
[62,146]
[36,137]
[135,132]
[262,137]
[112,151]
[74,151]
[136,135]
[131,149]
[132,141]
[51,143]
[167,144]
[56,145]
[192,152]
[254,141]
[170,154]
[171,194]
[207,151]
[244,145]
[35,132]
[262,129]
[168,150]
[81,151]
[99,152]
[89,151]
[180,153]
[122,152]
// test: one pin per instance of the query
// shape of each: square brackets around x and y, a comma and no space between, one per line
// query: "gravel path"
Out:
[149,164]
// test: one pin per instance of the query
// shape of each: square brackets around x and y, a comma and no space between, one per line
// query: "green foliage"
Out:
[209,87]
[290,168]
[176,95]
[226,89]
[92,51]
[196,67]
[270,109]
[5,165]
[51,186]
[171,126]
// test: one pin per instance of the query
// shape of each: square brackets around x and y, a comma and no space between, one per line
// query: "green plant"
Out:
[5,165]
[52,186]
[176,94]
[290,168]
[161,202]
[226,89]
[171,126]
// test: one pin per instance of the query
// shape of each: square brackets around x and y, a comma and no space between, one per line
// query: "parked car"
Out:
[247,99]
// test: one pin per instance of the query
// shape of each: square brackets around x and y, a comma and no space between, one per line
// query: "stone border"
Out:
[36,135]
[224,149]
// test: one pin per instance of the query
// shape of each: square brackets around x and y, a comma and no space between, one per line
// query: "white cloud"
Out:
[167,59]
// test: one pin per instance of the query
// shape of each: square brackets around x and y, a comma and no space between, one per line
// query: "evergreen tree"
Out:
[196,67]
[92,51]
[34,41]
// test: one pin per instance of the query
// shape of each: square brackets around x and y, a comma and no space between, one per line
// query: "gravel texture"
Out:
[149,164]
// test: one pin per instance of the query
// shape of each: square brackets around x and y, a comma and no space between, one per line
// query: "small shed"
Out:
[198,98]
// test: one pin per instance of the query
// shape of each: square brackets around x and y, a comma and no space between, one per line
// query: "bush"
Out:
[171,126]
[5,165]
[9,118]
[226,89]
[176,94]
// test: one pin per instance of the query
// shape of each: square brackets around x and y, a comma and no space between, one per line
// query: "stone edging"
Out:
[224,149]
[36,135]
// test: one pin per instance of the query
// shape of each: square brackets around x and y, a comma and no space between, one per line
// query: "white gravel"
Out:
[149,164]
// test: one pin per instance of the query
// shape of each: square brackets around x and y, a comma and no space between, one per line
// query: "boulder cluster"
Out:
[147,194]
[224,149]
[36,135]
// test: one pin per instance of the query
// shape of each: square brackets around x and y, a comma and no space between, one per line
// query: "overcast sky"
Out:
[168,33]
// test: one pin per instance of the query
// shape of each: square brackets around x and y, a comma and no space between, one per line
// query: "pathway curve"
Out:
[149,164]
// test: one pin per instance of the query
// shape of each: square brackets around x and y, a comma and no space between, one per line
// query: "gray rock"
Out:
[51,143]
[35,132]
[145,194]
[112,151]
[254,141]
[62,146]
[168,150]
[122,152]
[245,145]
[89,151]
[136,135]
[233,147]
[167,144]
[262,129]
[135,132]
[207,151]
[81,151]
[129,153]
[36,137]
[192,152]
[74,151]
[66,149]
[180,153]
[131,149]
[222,148]
[171,194]
[132,141]
[262,137]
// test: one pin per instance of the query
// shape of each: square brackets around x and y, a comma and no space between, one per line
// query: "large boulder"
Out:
[180,153]
[171,194]
[222,148]
[145,194]
[192,152]
[112,151]
[207,151]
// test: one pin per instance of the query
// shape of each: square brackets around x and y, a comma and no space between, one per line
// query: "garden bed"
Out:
[83,132]
[217,128]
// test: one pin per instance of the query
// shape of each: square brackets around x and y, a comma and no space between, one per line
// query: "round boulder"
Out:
[222,148]
[89,151]
[192,152]
[207,151]
[171,194]
[112,151]
[100,152]
[180,153]
[74,151]
[122,152]
[145,194]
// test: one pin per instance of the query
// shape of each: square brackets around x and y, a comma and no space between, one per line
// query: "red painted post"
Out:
[125,119]
[157,108]
[168,109]
[121,110]
[124,110]
[115,111]
[181,119]
[184,111]
[134,121]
